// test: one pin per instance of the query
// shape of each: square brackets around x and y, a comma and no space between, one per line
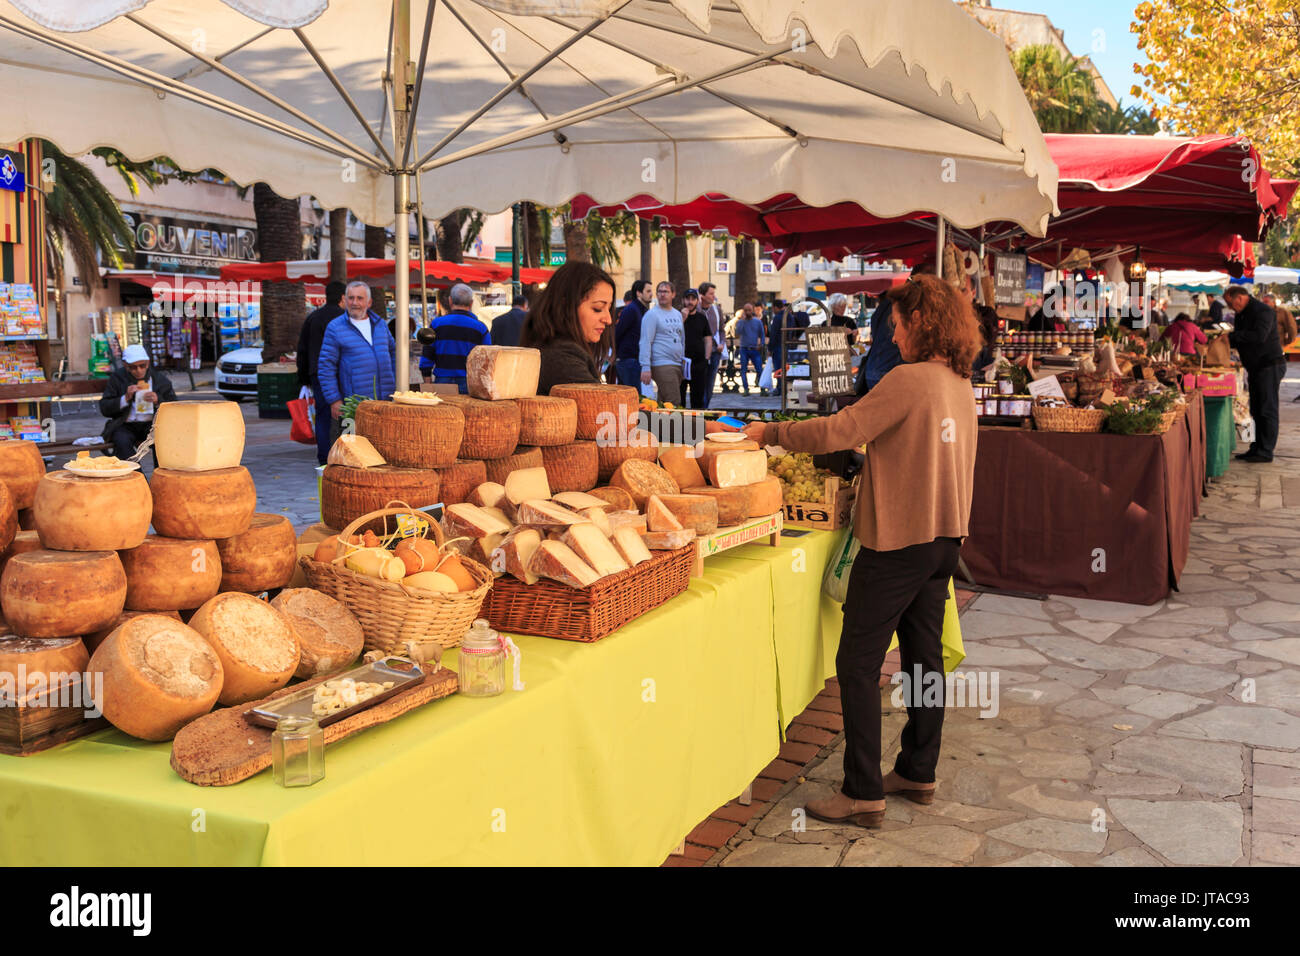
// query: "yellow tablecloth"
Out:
[614,752]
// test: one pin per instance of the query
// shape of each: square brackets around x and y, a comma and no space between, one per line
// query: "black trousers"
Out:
[697,385]
[127,437]
[904,591]
[1264,384]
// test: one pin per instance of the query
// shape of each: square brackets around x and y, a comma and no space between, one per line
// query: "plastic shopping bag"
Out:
[306,395]
[648,391]
[765,379]
[835,583]
[301,429]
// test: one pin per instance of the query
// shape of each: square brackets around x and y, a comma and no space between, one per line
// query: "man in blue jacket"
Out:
[358,355]
[627,334]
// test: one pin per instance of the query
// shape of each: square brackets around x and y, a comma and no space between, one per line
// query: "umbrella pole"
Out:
[401,191]
[938,248]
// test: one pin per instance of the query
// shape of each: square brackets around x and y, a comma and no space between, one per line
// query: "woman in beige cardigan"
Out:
[919,428]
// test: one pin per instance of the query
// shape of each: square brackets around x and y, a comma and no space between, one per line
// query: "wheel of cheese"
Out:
[711,451]
[260,559]
[41,665]
[8,518]
[202,504]
[329,635]
[256,643]
[199,436]
[733,503]
[62,593]
[547,420]
[153,675]
[21,470]
[635,444]
[460,478]
[491,428]
[92,514]
[572,467]
[601,407]
[641,479]
[167,574]
[92,641]
[765,497]
[23,542]
[412,436]
[525,456]
[348,493]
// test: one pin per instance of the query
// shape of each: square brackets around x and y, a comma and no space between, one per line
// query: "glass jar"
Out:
[297,752]
[1005,385]
[482,671]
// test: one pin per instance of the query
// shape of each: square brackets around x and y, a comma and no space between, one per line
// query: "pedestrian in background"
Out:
[507,328]
[131,397]
[717,328]
[749,342]
[357,356]
[1286,327]
[455,334]
[1184,334]
[309,343]
[699,346]
[663,346]
[1254,336]
[627,334]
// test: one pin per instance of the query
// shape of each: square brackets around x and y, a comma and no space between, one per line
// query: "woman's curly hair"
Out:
[946,328]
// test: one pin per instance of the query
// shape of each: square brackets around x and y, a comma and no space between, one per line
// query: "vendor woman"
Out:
[571,325]
[914,501]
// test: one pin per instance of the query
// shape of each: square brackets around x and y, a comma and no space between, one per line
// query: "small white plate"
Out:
[125,468]
[726,438]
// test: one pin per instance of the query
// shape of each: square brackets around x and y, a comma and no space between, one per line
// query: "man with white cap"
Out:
[130,399]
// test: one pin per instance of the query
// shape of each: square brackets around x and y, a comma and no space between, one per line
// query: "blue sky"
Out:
[1113,49]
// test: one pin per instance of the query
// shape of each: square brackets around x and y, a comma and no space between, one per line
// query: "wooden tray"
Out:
[226,747]
[30,729]
[724,539]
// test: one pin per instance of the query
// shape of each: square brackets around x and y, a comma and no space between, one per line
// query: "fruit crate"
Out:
[833,511]
[277,385]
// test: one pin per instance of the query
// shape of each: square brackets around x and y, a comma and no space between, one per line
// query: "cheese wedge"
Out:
[683,463]
[527,484]
[697,512]
[546,514]
[556,561]
[598,517]
[580,500]
[627,519]
[590,544]
[738,468]
[659,518]
[470,521]
[515,553]
[355,452]
[490,494]
[668,540]
[630,547]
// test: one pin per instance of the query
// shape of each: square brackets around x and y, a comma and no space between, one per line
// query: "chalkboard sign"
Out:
[1009,273]
[830,362]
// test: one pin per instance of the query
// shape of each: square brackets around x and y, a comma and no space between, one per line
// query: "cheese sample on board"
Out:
[459,479]
[257,645]
[540,513]
[589,543]
[206,504]
[580,500]
[261,558]
[21,470]
[496,372]
[329,635]
[697,512]
[572,467]
[557,562]
[682,462]
[547,420]
[491,428]
[355,452]
[601,408]
[628,543]
[515,553]
[738,468]
[641,479]
[42,663]
[198,436]
[92,514]
[618,498]
[527,484]
[155,676]
[765,497]
[465,520]
[170,574]
[659,518]
[733,503]
[62,593]
[668,540]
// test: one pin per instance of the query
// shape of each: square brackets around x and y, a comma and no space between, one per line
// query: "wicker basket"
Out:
[391,613]
[587,614]
[1065,419]
[1167,420]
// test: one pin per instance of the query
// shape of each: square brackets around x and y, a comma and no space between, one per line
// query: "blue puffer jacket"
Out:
[349,365]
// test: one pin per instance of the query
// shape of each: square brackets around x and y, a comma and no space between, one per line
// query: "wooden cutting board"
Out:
[224,747]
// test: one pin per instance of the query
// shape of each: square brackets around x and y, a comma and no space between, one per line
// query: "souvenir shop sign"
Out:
[167,244]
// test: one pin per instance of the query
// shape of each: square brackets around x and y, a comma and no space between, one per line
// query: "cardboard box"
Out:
[835,510]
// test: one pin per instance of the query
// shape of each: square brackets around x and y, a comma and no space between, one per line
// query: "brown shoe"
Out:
[922,793]
[842,808]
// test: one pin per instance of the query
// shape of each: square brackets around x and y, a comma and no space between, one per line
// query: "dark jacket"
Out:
[695,328]
[566,362]
[627,331]
[456,334]
[1254,336]
[349,365]
[883,354]
[507,328]
[110,405]
[310,339]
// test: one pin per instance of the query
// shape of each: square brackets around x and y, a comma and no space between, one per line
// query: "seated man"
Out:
[130,399]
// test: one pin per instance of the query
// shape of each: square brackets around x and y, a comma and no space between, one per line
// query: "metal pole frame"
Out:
[399,75]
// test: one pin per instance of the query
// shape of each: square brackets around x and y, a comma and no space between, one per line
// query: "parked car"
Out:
[236,376]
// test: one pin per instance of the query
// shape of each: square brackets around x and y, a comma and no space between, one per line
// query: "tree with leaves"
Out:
[1225,66]
[83,220]
[1060,90]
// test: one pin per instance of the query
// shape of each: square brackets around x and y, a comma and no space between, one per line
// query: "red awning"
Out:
[870,284]
[438,274]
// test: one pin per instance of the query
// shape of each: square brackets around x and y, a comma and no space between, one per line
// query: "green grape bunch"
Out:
[800,479]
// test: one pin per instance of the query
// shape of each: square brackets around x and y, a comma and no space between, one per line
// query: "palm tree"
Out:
[1059,89]
[1123,119]
[279,236]
[746,271]
[82,219]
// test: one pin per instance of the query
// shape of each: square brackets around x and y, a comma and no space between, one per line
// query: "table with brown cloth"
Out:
[1096,516]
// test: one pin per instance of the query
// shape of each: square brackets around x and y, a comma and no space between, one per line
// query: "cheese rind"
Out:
[329,635]
[497,372]
[62,593]
[668,540]
[613,452]
[572,467]
[547,420]
[682,462]
[738,468]
[412,436]
[93,640]
[589,543]
[521,459]
[21,470]
[260,559]
[697,512]
[658,517]
[491,428]
[42,662]
[8,518]
[641,479]
[540,513]
[354,451]
[257,645]
[169,574]
[630,547]
[765,497]
[205,504]
[93,514]
[618,498]
[556,561]
[733,503]
[459,479]
[199,436]
[607,408]
[155,675]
